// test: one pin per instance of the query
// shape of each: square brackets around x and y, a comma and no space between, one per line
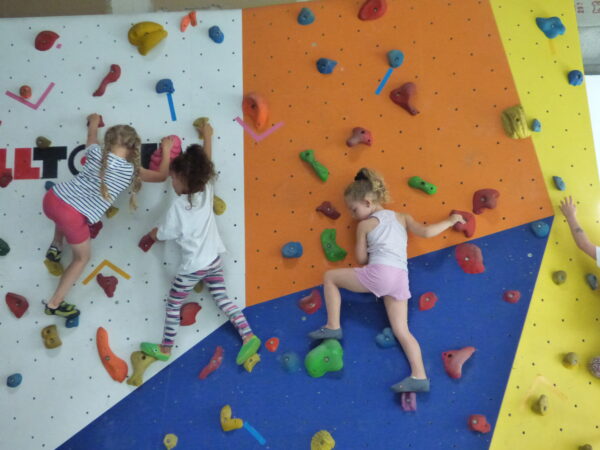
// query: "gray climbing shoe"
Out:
[410,384]
[326,333]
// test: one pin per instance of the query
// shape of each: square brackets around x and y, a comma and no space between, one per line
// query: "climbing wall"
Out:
[453,54]
[562,318]
[65,388]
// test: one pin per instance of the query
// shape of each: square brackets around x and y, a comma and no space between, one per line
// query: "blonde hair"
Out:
[127,137]
[367,183]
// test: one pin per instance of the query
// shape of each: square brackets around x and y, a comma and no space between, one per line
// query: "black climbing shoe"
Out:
[53,254]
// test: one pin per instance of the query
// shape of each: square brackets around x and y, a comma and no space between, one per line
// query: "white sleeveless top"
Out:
[386,243]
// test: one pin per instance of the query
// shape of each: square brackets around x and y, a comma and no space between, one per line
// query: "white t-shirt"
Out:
[194,228]
[386,243]
[598,256]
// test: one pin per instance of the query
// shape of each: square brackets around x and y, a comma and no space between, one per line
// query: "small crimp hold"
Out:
[540,228]
[292,250]
[329,210]
[395,58]
[575,78]
[541,405]
[559,183]
[306,16]
[326,65]
[359,135]
[592,281]
[536,126]
[570,360]
[386,338]
[559,276]
[404,97]
[251,362]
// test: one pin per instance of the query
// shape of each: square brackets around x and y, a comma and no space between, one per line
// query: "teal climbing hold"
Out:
[386,338]
[4,247]
[395,58]
[551,26]
[333,252]
[327,357]
[290,361]
[420,183]
[306,16]
[309,157]
[559,183]
[540,228]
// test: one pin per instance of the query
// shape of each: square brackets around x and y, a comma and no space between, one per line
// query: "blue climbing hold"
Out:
[536,125]
[540,228]
[290,362]
[386,338]
[552,26]
[165,86]
[326,65]
[306,16]
[216,34]
[72,322]
[292,250]
[14,380]
[395,58]
[49,185]
[559,183]
[575,77]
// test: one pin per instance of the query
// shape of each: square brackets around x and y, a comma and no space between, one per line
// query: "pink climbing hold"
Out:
[468,228]
[359,136]
[427,301]
[409,401]
[45,40]
[188,313]
[469,258]
[404,96]
[454,360]
[214,364]
[146,242]
[17,304]
[109,284]
[511,296]
[485,199]
[478,422]
[329,210]
[5,178]
[311,303]
[156,158]
[113,75]
[372,9]
[95,228]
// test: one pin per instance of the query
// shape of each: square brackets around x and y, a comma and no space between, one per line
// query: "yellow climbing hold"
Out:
[170,441]
[140,362]
[227,423]
[199,286]
[55,268]
[251,362]
[111,211]
[145,36]
[199,125]
[515,122]
[322,440]
[219,205]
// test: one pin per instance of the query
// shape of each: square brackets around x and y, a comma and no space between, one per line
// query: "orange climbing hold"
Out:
[255,106]
[272,344]
[454,360]
[185,22]
[115,366]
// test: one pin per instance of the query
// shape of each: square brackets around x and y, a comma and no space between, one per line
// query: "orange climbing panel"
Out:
[115,366]
[454,56]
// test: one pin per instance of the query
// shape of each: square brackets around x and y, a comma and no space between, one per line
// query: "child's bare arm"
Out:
[92,129]
[207,132]
[569,209]
[160,175]
[434,229]
[361,242]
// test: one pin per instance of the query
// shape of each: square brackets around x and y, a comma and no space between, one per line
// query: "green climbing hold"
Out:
[333,252]
[4,248]
[327,357]
[309,157]
[420,183]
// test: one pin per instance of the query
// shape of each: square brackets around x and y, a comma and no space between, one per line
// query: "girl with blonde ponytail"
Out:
[79,203]
[381,240]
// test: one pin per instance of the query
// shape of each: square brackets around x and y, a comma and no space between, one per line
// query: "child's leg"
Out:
[334,280]
[180,289]
[81,256]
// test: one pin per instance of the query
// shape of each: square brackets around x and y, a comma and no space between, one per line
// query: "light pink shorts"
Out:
[384,280]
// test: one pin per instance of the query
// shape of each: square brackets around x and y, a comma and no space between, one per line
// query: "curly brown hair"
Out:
[195,169]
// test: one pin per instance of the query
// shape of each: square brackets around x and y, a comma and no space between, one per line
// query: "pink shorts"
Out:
[384,280]
[67,219]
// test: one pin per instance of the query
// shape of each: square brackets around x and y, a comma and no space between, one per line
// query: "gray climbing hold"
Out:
[570,360]
[540,228]
[559,183]
[49,185]
[541,406]
[326,65]
[306,16]
[594,366]
[592,281]
[559,277]
[395,58]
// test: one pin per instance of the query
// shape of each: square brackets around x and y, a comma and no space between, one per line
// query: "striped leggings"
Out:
[181,287]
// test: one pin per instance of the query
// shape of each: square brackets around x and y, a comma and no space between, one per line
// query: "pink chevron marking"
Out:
[255,136]
[36,105]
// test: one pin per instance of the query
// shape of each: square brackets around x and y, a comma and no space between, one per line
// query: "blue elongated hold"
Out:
[559,183]
[292,250]
[326,65]
[216,34]
[290,362]
[540,228]
[536,125]
[551,26]
[165,86]
[395,58]
[575,77]
[49,185]
[386,338]
[306,16]
[14,380]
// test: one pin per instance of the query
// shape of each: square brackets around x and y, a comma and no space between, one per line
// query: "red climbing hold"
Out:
[113,75]
[427,301]
[511,296]
[478,422]
[409,401]
[329,210]
[454,360]
[188,313]
[45,40]
[146,242]
[17,304]
[372,9]
[469,258]
[95,229]
[215,362]
[272,344]
[468,228]
[25,91]
[109,284]
[311,303]
[404,96]
[359,136]
[484,199]
[5,178]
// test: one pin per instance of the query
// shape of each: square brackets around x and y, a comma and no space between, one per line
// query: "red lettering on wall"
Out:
[23,169]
